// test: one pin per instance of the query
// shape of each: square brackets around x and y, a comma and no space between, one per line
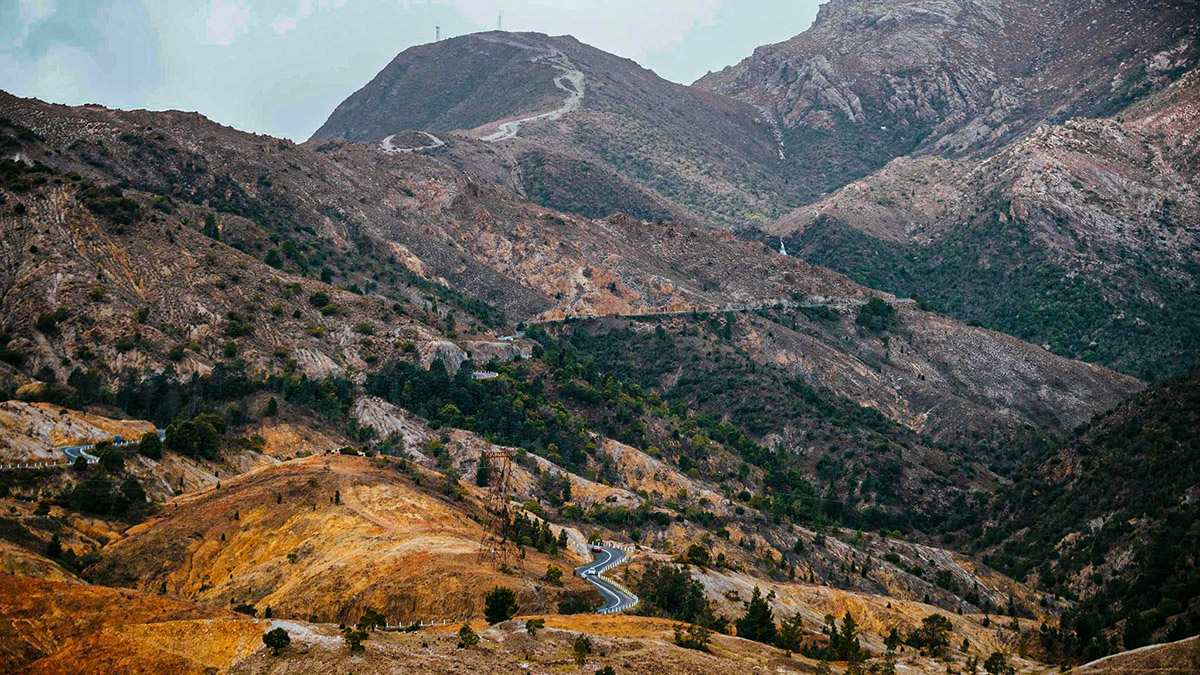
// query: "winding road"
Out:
[572,81]
[435,142]
[73,452]
[616,597]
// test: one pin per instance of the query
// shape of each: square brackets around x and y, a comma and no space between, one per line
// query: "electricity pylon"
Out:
[497,548]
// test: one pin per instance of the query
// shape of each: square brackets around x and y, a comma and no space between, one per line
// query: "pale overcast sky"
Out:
[279,67]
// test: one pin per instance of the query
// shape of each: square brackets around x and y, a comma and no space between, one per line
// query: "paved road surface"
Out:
[616,598]
[74,451]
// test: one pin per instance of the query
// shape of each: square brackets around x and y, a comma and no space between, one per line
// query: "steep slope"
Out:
[624,139]
[404,229]
[325,537]
[1176,658]
[43,618]
[1110,517]
[36,430]
[1082,236]
[461,83]
[873,79]
[397,231]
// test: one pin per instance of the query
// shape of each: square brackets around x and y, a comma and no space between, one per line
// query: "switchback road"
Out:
[572,81]
[616,597]
[387,146]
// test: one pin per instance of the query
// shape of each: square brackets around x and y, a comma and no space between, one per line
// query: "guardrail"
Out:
[49,464]
[83,452]
[625,605]
[432,623]
[628,549]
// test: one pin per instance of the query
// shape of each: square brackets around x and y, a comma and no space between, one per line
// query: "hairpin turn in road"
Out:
[616,597]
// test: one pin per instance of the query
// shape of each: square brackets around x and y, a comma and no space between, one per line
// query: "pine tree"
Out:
[467,637]
[276,639]
[500,604]
[210,227]
[582,647]
[848,648]
[54,549]
[790,634]
[758,622]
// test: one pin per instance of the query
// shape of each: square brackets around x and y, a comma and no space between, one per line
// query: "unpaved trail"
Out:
[572,81]
[435,142]
[770,304]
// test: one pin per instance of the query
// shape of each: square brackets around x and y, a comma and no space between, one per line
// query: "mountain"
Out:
[994,157]
[518,245]
[461,83]
[242,292]
[203,271]
[871,80]
[590,133]
[1109,518]
[619,128]
[1081,236]
[420,250]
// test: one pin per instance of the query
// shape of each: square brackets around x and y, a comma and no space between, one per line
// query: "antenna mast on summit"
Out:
[437,33]
[500,21]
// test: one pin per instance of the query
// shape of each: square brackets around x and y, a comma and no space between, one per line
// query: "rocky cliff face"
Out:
[956,78]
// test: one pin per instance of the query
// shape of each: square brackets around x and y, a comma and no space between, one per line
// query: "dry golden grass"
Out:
[328,537]
[42,617]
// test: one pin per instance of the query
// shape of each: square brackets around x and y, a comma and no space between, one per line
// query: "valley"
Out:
[872,353]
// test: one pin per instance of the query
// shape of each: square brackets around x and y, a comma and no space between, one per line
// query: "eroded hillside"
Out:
[395,232]
[873,79]
[1081,236]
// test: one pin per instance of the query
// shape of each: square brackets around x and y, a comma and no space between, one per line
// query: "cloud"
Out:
[29,14]
[286,24]
[225,20]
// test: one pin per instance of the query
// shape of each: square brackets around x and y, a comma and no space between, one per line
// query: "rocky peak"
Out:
[964,76]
